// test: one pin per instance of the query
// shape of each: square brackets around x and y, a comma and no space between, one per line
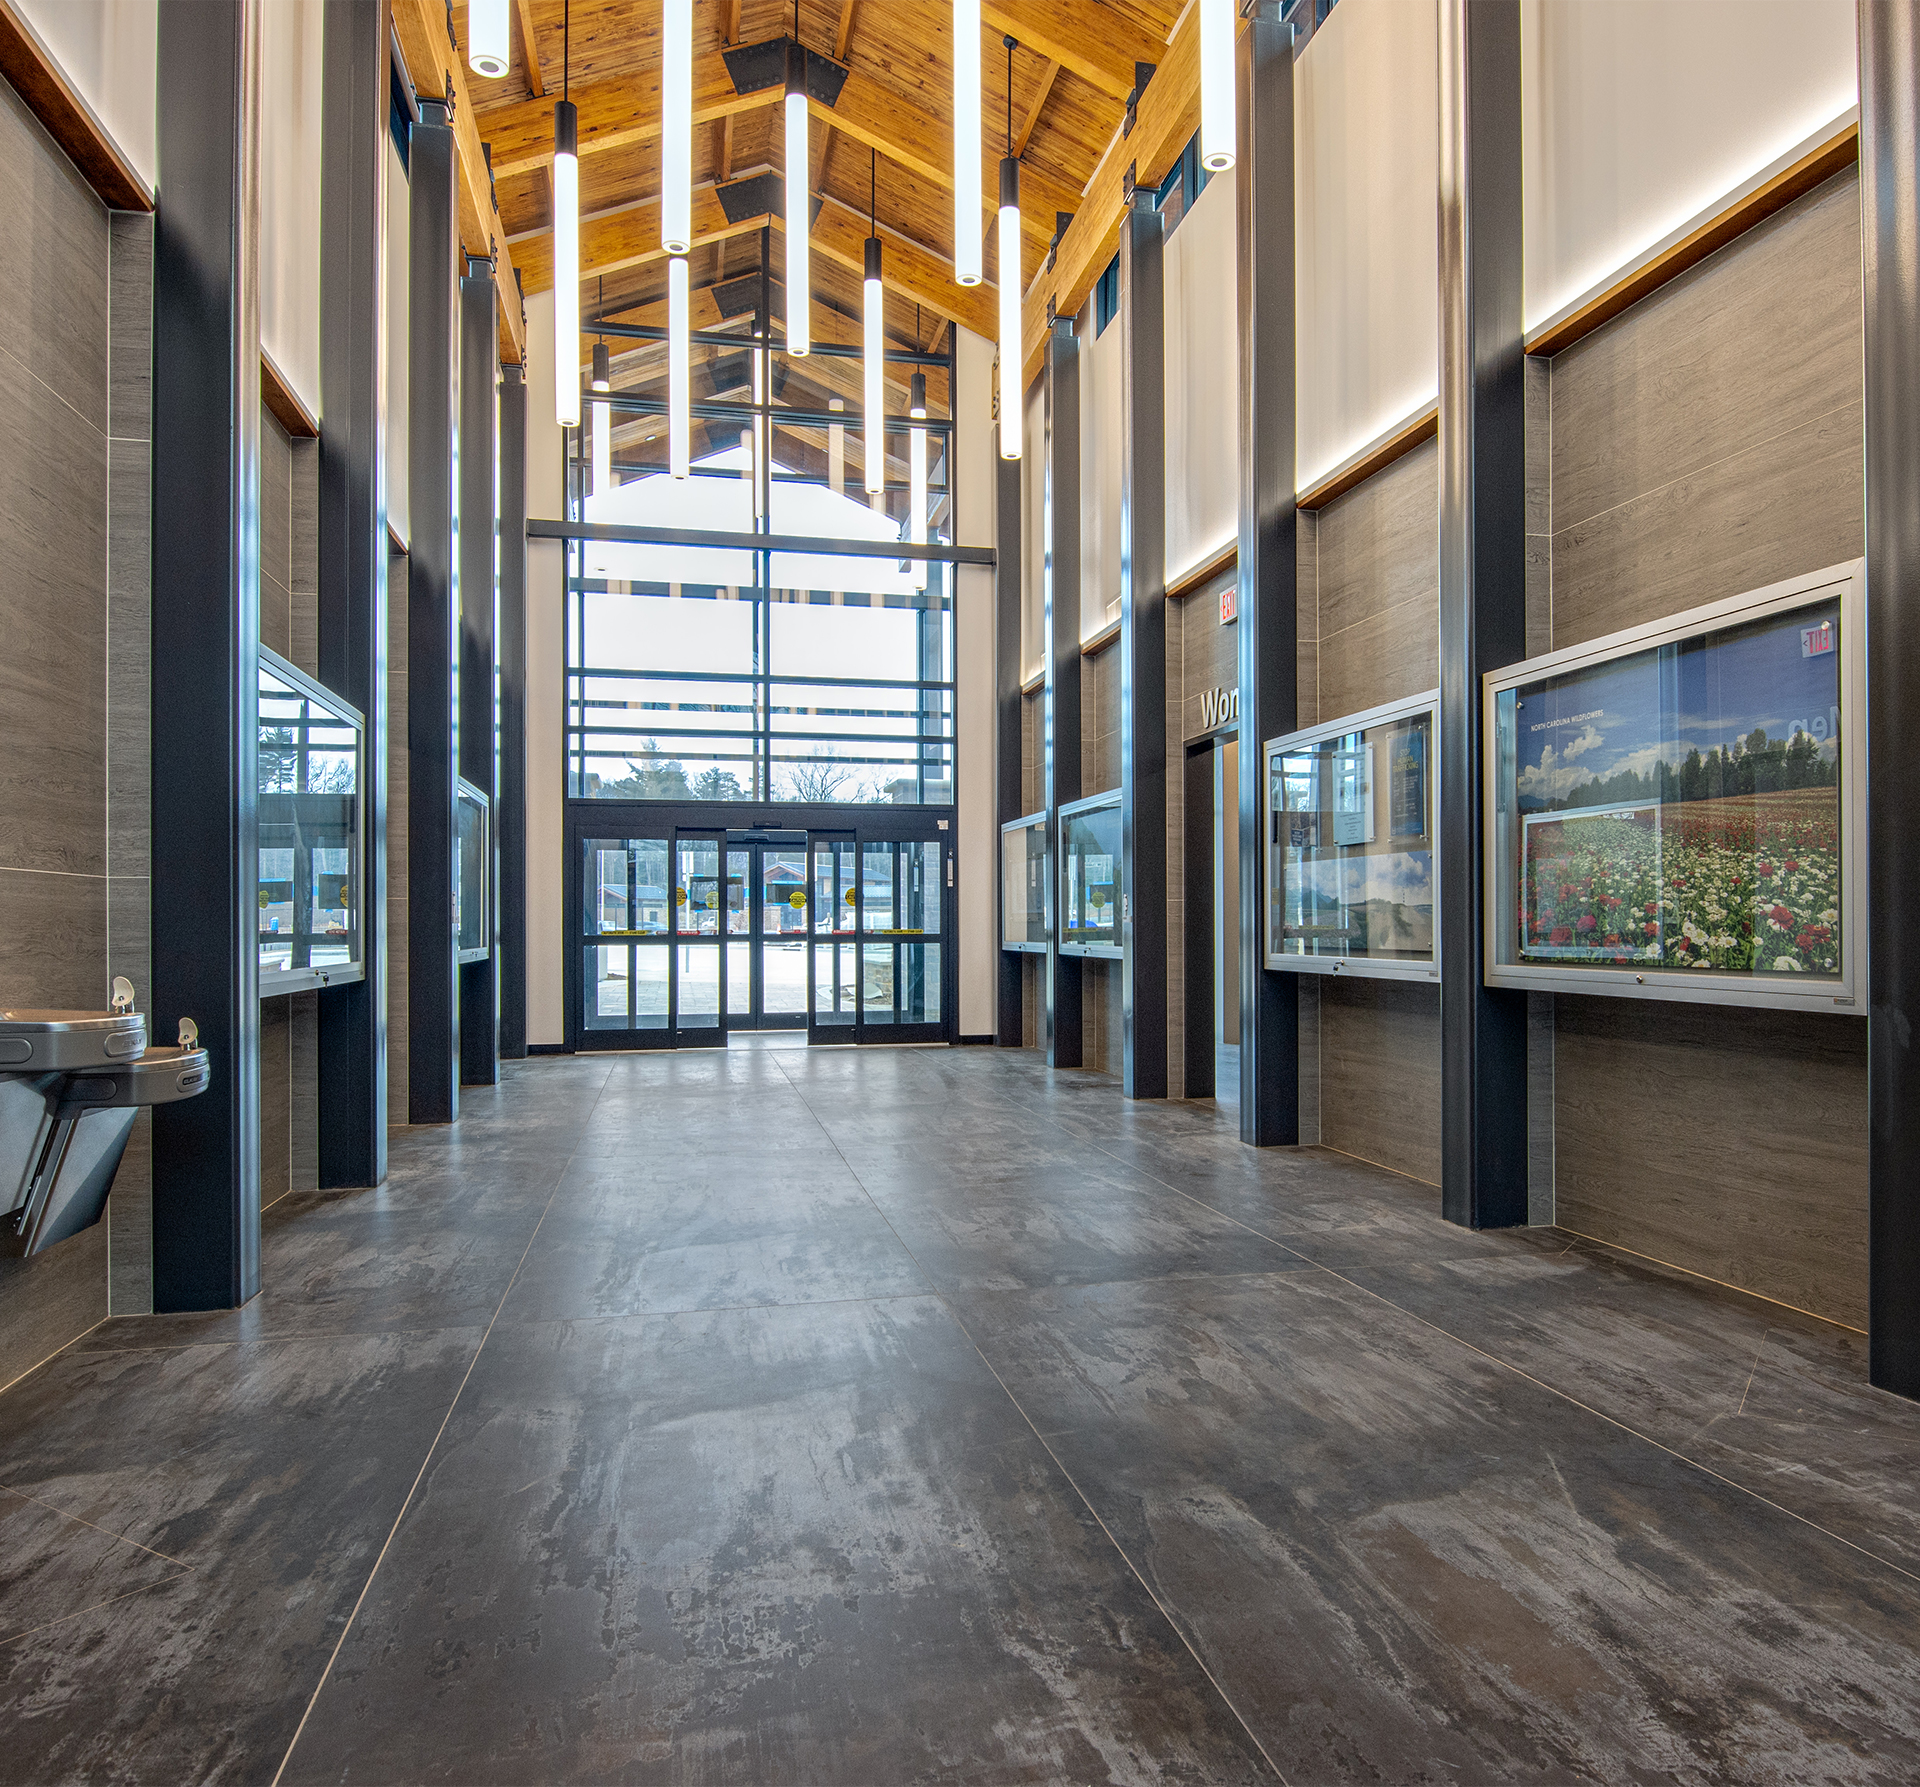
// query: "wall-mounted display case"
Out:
[1091,889]
[1023,884]
[473,874]
[1677,811]
[311,770]
[1352,848]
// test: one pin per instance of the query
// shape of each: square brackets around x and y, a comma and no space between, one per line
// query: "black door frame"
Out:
[591,818]
[758,846]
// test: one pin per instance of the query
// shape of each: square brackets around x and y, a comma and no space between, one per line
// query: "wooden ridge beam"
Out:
[436,72]
[1167,116]
[530,48]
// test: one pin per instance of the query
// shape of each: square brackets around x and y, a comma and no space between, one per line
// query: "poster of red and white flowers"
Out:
[1680,806]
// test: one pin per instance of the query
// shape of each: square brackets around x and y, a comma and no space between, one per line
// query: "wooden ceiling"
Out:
[887,140]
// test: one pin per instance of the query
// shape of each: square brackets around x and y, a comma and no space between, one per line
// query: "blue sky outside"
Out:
[1658,705]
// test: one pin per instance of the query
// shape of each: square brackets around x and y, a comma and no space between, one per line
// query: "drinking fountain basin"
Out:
[71,1085]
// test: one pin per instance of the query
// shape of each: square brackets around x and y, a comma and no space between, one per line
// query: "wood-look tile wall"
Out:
[57,855]
[1375,638]
[1100,720]
[1708,442]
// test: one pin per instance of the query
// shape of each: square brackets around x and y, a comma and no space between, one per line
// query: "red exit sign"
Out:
[1229,601]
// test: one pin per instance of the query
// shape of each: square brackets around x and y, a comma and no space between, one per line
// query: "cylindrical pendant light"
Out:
[917,474]
[799,275]
[676,128]
[487,38]
[873,420]
[966,142]
[1010,351]
[679,369]
[837,449]
[566,264]
[1216,84]
[602,422]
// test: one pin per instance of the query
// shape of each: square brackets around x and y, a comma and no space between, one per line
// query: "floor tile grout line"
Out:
[66,1346]
[413,1489]
[1040,1439]
[105,1532]
[1526,1376]
[146,1588]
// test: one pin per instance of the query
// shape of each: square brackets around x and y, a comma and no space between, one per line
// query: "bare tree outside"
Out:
[820,779]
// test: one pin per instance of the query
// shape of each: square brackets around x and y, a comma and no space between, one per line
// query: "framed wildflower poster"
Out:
[1674,811]
[1351,844]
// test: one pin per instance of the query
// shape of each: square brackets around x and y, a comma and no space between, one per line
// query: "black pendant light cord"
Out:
[1010,47]
[566,44]
[873,196]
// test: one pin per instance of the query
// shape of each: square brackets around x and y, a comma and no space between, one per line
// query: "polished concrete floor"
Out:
[920,1415]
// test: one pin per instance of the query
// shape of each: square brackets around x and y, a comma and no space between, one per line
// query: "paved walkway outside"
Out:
[922,1415]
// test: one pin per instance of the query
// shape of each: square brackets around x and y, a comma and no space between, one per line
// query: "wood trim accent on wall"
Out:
[1035,683]
[1383,452]
[1818,164]
[284,401]
[1098,642]
[1189,582]
[38,80]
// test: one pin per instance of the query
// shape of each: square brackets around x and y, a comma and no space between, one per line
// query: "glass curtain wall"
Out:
[732,672]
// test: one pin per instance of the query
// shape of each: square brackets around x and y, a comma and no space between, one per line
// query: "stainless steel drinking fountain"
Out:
[71,1084]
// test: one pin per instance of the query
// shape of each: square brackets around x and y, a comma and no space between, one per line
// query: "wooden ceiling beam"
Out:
[613,113]
[1036,108]
[915,272]
[530,48]
[844,31]
[1166,118]
[1083,36]
[435,71]
[628,238]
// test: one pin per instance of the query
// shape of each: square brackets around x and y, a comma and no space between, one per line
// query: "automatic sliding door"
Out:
[780,901]
[699,962]
[902,914]
[833,946]
[625,953]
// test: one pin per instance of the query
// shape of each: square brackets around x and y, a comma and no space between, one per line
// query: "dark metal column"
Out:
[1483,611]
[1060,524]
[1007,731]
[511,802]
[1143,650]
[1890,220]
[206,650]
[478,602]
[1268,552]
[433,1013]
[356,97]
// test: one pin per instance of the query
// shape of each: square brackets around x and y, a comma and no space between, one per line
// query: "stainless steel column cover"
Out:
[1060,524]
[1143,650]
[1268,552]
[1483,612]
[206,646]
[1890,220]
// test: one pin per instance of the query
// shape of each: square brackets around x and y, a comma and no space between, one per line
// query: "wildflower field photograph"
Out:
[1680,807]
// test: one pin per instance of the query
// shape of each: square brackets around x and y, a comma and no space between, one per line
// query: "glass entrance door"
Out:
[699,991]
[766,912]
[878,940]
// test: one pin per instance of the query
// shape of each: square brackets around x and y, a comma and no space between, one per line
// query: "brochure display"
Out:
[1675,811]
[1023,884]
[310,769]
[1090,890]
[1351,844]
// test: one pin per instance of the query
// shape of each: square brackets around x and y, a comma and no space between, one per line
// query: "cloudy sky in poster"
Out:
[1636,711]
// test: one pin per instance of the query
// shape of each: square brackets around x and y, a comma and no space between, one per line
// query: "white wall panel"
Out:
[978,833]
[1203,381]
[1367,142]
[109,52]
[1100,463]
[290,68]
[1641,115]
[398,275]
